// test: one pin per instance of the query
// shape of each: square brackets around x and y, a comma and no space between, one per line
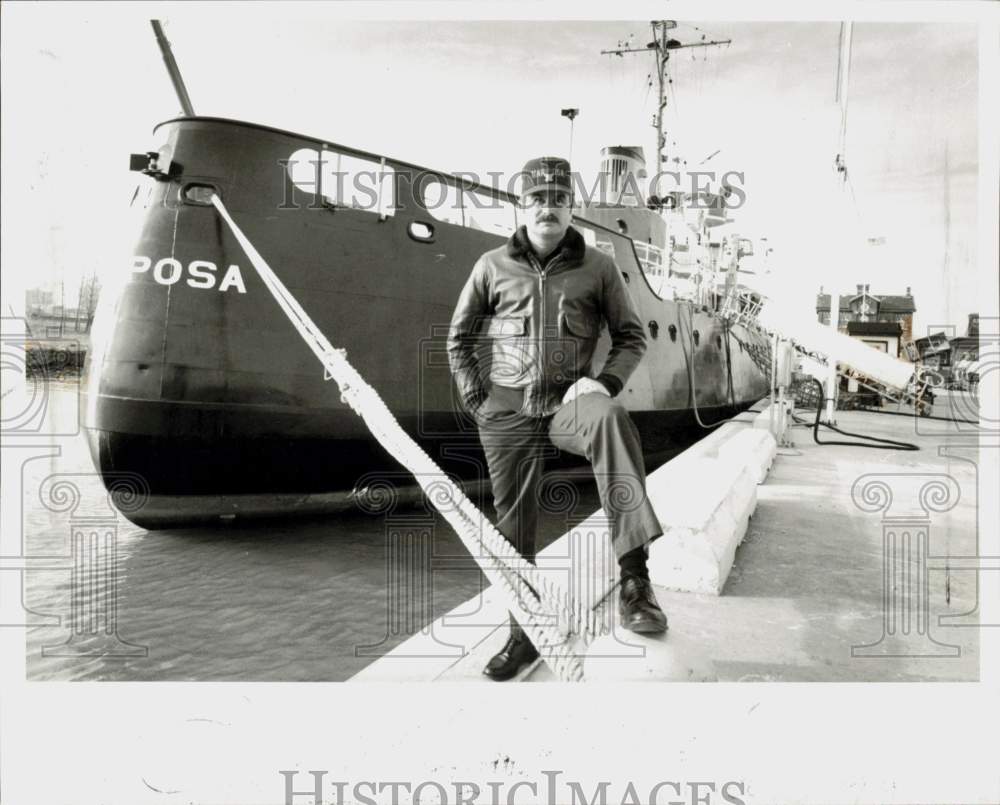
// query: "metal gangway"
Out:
[895,381]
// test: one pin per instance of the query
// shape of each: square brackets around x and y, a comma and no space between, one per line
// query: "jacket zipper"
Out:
[541,321]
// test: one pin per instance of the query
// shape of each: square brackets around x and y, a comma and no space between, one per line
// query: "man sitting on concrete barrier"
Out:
[542,297]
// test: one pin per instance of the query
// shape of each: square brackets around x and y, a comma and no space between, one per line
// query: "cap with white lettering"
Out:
[546,173]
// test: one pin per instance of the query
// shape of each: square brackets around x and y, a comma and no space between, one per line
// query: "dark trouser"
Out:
[593,426]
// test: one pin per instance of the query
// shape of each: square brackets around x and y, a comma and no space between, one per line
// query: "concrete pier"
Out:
[857,564]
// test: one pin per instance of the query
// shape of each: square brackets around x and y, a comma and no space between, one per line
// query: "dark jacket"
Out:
[521,325]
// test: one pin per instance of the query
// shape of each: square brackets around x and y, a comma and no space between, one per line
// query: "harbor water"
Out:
[314,599]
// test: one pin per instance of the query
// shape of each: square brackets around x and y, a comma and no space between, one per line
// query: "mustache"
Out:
[547,217]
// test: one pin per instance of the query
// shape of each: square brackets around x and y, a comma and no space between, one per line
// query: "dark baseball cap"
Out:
[546,173]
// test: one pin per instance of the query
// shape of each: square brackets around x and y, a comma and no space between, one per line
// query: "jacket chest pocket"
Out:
[507,326]
[578,324]
[578,333]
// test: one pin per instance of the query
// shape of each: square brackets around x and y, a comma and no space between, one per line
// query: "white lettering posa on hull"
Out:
[200,273]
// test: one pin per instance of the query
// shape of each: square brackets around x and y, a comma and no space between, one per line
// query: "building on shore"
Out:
[864,306]
[965,355]
[881,335]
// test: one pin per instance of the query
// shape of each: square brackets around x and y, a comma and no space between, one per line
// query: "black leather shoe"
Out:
[637,606]
[516,653]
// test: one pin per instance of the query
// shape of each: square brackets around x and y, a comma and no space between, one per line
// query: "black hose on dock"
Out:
[883,444]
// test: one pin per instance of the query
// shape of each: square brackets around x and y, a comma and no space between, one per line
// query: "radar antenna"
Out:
[661,46]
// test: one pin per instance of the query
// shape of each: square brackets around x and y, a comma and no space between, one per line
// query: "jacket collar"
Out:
[571,247]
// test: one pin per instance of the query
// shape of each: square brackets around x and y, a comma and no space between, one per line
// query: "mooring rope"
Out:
[537,603]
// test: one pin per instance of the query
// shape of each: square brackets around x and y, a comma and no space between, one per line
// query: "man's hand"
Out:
[475,401]
[585,385]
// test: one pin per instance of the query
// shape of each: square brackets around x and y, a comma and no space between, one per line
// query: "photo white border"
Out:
[809,742]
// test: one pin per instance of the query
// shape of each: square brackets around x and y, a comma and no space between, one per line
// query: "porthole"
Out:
[420,231]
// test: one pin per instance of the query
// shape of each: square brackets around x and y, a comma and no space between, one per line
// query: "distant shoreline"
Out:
[54,360]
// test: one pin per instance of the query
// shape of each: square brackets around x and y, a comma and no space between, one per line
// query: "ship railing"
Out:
[652,264]
[667,281]
[650,257]
[743,306]
[681,289]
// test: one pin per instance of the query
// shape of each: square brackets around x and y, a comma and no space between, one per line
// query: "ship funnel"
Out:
[623,174]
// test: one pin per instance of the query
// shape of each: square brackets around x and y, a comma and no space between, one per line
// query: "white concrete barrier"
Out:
[704,507]
[754,447]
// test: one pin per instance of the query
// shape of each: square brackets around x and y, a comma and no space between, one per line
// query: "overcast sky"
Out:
[82,89]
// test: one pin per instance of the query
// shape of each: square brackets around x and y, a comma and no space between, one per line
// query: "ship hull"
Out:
[196,480]
[200,389]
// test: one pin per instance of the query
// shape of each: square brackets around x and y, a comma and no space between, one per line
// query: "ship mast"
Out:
[172,69]
[660,47]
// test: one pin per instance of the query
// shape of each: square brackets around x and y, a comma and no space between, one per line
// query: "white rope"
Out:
[539,606]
